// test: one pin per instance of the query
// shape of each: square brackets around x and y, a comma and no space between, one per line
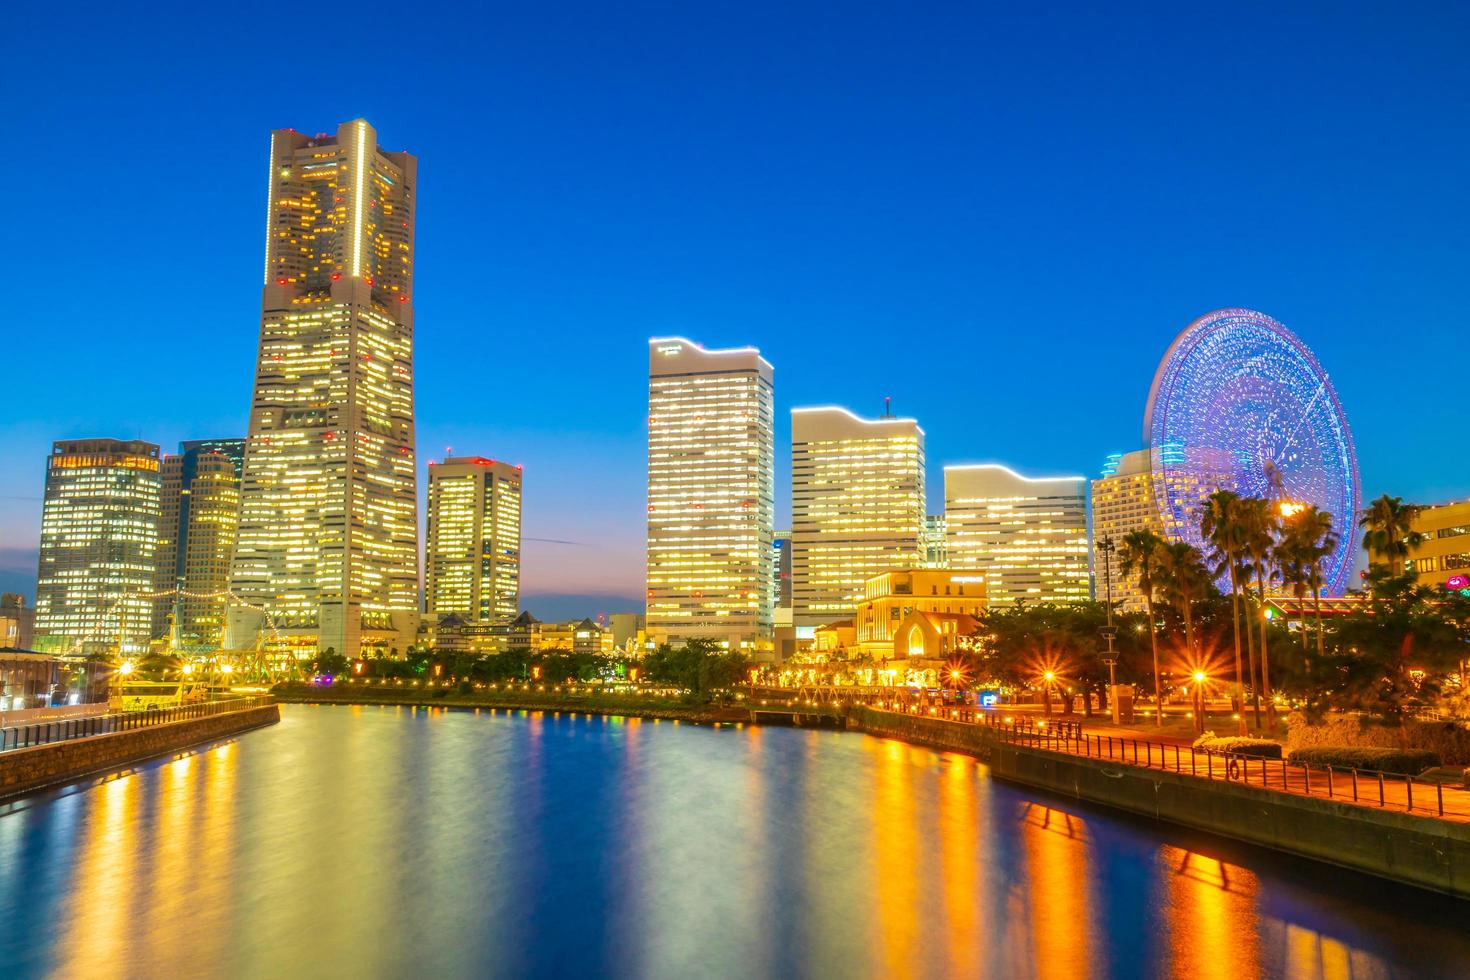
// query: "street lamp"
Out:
[1049,677]
[1199,701]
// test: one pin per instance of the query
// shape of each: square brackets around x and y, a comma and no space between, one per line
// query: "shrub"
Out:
[1408,762]
[1256,747]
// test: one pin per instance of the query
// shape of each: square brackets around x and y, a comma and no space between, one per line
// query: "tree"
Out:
[1138,555]
[1394,653]
[1184,581]
[1263,526]
[700,665]
[1388,531]
[1307,539]
[1222,524]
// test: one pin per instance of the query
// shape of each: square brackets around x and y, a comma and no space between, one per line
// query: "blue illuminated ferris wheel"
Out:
[1240,403]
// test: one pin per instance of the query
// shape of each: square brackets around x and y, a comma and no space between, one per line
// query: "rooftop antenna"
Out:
[888,406]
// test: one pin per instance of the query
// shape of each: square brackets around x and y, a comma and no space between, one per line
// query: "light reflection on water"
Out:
[395,842]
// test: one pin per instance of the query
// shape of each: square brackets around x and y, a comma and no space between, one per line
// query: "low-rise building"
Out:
[891,596]
[17,622]
[835,639]
[1442,559]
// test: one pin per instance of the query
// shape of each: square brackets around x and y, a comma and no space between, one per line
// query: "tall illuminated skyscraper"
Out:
[857,505]
[711,494]
[199,513]
[1028,537]
[328,539]
[99,540]
[473,549]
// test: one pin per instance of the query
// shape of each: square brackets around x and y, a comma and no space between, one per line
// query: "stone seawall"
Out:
[1421,851]
[38,766]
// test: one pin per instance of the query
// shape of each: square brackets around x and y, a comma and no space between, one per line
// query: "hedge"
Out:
[1234,745]
[1409,762]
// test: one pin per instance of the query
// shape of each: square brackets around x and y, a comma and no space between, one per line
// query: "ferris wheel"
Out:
[1240,403]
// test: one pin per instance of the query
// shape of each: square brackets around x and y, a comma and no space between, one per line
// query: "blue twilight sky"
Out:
[998,216]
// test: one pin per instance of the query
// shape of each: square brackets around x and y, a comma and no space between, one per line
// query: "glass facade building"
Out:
[199,512]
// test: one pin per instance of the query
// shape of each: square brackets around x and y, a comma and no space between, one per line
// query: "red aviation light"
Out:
[336,276]
[402,298]
[281,281]
[368,280]
[650,593]
[650,508]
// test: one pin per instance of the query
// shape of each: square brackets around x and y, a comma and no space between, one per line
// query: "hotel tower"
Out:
[857,505]
[1028,537]
[327,548]
[711,490]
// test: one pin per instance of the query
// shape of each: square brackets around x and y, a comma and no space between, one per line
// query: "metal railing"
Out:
[1364,787]
[47,732]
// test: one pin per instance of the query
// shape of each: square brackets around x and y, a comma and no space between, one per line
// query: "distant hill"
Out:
[560,606]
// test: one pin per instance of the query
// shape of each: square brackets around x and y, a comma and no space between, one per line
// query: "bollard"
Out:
[1329,782]
[1380,790]
[1439,793]
[1409,786]
[1355,785]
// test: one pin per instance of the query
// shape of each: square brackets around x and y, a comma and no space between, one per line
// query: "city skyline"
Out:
[1081,302]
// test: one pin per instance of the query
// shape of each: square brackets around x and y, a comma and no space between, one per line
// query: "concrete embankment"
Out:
[663,710]
[1421,851]
[38,766]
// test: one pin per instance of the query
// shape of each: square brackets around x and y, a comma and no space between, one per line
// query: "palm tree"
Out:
[1184,580]
[1138,555]
[1308,538]
[1263,527]
[1221,523]
[1388,524]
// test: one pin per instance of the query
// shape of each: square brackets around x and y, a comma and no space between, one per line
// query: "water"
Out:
[359,842]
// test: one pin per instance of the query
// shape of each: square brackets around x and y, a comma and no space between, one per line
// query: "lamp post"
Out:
[1199,702]
[1047,680]
[1110,632]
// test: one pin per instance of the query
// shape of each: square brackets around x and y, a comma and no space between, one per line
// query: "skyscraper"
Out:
[199,512]
[473,548]
[327,550]
[1122,501]
[99,540]
[711,494]
[1028,537]
[857,505]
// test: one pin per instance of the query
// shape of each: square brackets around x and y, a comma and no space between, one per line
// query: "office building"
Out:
[1442,559]
[472,558]
[1122,502]
[1028,537]
[199,511]
[327,549]
[857,506]
[99,541]
[711,495]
